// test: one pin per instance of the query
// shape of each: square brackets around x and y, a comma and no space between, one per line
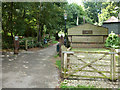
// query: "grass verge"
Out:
[64,85]
[58,64]
[56,56]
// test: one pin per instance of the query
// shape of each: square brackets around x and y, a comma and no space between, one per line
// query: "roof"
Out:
[86,24]
[112,20]
[90,29]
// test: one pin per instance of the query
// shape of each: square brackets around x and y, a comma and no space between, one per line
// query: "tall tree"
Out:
[75,12]
[92,9]
[111,9]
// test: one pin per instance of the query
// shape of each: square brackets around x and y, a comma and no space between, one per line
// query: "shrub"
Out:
[112,41]
[39,44]
[31,44]
[7,42]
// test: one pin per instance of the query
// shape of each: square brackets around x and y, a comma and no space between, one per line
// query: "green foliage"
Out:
[54,42]
[109,9]
[74,11]
[7,45]
[45,45]
[39,19]
[52,38]
[92,9]
[39,44]
[98,12]
[7,42]
[58,64]
[112,41]
[32,42]
[26,18]
[56,56]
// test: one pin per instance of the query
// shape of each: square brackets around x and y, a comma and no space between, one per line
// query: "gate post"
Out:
[65,64]
[62,64]
[26,46]
[64,61]
[113,66]
[61,40]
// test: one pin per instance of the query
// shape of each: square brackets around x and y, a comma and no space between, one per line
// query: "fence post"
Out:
[65,64]
[118,63]
[26,46]
[113,66]
[62,64]
[61,40]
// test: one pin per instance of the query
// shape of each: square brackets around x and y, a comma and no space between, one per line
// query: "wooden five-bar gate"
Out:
[89,65]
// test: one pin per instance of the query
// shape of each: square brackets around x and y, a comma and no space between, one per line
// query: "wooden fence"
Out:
[25,43]
[89,64]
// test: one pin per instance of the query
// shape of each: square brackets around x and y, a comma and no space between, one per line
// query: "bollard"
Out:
[16,44]
[26,46]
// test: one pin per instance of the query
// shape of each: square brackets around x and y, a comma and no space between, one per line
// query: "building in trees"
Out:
[87,36]
[113,24]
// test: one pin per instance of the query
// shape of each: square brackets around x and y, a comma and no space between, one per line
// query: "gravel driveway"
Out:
[30,69]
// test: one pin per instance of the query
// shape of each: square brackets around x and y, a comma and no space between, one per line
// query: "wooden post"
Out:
[26,46]
[111,66]
[65,61]
[114,67]
[77,20]
[71,41]
[119,67]
[60,50]
[61,40]
[16,44]
[65,64]
[62,60]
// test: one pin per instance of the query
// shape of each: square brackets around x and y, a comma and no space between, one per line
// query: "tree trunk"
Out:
[11,20]
[49,35]
[39,31]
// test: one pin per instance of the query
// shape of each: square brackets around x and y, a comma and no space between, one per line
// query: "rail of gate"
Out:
[73,67]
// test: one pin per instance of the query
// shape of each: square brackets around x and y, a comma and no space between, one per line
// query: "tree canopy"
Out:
[38,19]
[27,18]
[101,11]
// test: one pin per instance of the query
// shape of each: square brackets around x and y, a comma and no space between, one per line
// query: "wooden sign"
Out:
[87,32]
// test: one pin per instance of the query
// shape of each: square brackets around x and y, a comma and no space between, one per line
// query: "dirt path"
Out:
[31,69]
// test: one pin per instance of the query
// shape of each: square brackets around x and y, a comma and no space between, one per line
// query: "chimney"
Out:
[77,21]
[83,19]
